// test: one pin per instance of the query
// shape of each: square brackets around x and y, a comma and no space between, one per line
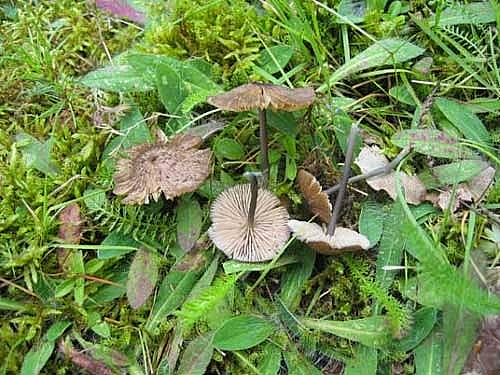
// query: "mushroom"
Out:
[248,224]
[342,241]
[334,240]
[172,168]
[262,96]
[316,199]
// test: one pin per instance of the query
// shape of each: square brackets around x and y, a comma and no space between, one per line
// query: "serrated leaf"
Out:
[243,332]
[189,215]
[36,154]
[275,58]
[431,142]
[464,120]
[370,223]
[384,52]
[372,332]
[142,278]
[197,356]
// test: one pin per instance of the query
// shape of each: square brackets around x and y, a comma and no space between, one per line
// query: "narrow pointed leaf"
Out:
[197,356]
[142,278]
[243,332]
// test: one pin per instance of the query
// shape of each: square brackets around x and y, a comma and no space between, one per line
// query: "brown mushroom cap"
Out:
[172,168]
[262,96]
[343,240]
[232,233]
[316,199]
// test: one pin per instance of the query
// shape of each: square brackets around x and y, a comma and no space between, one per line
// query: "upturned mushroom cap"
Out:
[343,240]
[232,233]
[172,168]
[316,199]
[262,96]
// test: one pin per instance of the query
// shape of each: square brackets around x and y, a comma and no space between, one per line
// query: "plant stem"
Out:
[254,189]
[343,183]
[374,172]
[264,147]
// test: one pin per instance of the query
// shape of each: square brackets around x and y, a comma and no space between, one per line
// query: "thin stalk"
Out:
[264,147]
[343,183]
[254,188]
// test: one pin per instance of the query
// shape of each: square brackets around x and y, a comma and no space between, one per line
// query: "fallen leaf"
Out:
[316,199]
[480,183]
[122,9]
[343,240]
[84,361]
[69,230]
[371,158]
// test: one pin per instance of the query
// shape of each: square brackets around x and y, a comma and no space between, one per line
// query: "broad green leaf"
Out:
[108,293]
[119,78]
[116,238]
[475,13]
[364,362]
[275,58]
[77,267]
[453,173]
[37,357]
[102,329]
[189,216]
[142,278]
[391,247]
[56,330]
[174,289]
[384,52]
[197,356]
[423,323]
[170,88]
[285,122]
[373,332]
[295,276]
[464,120]
[234,266]
[36,154]
[7,304]
[227,148]
[271,362]
[353,10]
[64,288]
[342,124]
[429,355]
[243,332]
[205,280]
[431,142]
[371,221]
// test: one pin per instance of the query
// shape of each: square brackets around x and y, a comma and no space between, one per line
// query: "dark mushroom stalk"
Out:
[254,191]
[343,183]
[264,148]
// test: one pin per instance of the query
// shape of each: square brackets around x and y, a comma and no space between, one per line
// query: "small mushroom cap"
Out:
[262,96]
[232,233]
[343,240]
[316,199]
[172,168]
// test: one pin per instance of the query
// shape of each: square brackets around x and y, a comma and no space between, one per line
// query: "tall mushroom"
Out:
[248,224]
[172,168]
[262,96]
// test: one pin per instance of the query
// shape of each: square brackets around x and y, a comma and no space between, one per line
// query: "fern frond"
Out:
[197,308]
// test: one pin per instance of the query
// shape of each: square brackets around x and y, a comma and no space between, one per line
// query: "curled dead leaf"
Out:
[371,158]
[262,96]
[316,199]
[343,240]
[172,168]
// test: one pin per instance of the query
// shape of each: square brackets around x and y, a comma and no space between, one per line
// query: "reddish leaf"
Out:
[122,9]
[142,278]
[70,230]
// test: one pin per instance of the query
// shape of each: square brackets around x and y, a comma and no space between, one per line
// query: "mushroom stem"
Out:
[254,188]
[343,183]
[264,147]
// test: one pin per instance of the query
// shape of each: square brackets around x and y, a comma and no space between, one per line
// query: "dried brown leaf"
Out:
[343,240]
[480,183]
[142,278]
[171,168]
[316,199]
[371,158]
[263,96]
[84,361]
[232,233]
